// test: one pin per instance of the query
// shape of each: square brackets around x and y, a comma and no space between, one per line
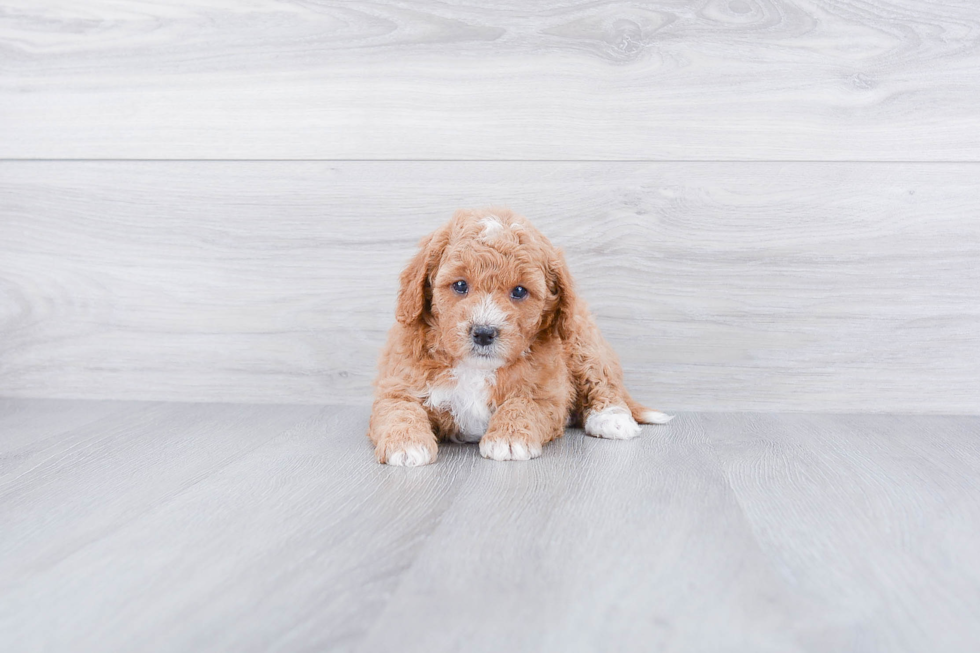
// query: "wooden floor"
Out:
[180,527]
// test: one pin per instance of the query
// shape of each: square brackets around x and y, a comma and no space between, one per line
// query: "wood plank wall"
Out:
[769,205]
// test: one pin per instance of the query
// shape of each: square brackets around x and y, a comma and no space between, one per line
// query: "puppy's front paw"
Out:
[504,448]
[406,453]
[613,422]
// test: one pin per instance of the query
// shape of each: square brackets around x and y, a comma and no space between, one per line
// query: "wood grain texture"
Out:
[671,79]
[597,547]
[32,429]
[873,519]
[846,287]
[58,492]
[253,528]
[289,544]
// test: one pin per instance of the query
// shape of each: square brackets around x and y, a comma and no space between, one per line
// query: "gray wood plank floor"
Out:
[176,527]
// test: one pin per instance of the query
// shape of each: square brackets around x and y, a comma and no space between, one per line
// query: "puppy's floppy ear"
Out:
[562,294]
[415,293]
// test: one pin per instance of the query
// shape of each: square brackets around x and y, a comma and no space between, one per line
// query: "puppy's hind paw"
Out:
[613,422]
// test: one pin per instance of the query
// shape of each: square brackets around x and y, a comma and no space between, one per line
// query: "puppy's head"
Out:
[486,285]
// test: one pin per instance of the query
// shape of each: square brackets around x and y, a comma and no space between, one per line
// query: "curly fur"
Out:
[548,366]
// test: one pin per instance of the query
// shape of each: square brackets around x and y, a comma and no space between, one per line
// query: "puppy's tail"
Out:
[644,415]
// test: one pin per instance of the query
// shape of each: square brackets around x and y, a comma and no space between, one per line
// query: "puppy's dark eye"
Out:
[460,287]
[520,292]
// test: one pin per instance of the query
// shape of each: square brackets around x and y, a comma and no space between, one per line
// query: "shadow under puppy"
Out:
[492,345]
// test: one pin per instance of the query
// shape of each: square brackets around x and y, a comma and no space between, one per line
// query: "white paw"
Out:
[655,417]
[411,455]
[613,422]
[504,450]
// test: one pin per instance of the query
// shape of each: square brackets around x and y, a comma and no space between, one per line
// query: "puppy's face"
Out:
[490,287]
[488,307]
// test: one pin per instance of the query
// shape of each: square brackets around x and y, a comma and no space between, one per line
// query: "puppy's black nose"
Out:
[483,335]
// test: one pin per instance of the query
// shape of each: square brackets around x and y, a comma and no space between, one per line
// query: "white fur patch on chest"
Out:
[467,399]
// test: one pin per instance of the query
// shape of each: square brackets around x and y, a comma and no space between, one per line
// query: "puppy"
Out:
[492,345]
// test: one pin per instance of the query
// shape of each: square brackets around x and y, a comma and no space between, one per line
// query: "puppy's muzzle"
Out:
[483,335]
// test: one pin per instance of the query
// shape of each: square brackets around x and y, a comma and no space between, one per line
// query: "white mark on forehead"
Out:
[492,226]
[487,312]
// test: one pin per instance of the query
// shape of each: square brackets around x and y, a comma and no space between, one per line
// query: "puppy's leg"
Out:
[608,410]
[401,433]
[612,413]
[520,428]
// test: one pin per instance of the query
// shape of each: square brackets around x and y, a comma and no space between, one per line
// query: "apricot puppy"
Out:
[492,345]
